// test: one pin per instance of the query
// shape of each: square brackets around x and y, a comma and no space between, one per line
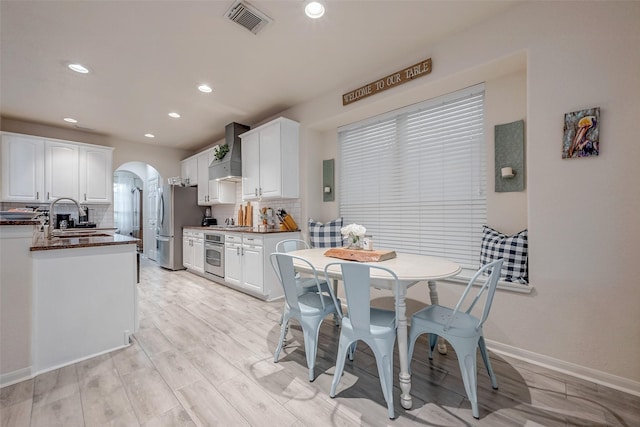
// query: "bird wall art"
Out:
[581,134]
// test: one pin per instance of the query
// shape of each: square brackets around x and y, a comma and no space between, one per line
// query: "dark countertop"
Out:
[42,244]
[19,222]
[238,229]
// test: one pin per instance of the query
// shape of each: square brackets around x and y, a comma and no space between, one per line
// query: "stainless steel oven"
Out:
[214,254]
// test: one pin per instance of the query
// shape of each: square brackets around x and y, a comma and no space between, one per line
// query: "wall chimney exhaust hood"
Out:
[229,167]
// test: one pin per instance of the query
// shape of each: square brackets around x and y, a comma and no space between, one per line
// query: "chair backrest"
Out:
[489,285]
[356,278]
[291,245]
[283,266]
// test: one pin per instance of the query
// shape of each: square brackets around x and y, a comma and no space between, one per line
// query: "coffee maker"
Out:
[208,219]
[63,221]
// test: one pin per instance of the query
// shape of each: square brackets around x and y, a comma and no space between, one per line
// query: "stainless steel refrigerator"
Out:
[177,208]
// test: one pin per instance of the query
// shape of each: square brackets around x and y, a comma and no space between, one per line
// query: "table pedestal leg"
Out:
[405,377]
[433,296]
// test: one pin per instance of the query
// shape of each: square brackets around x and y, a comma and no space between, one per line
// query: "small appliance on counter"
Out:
[208,221]
[63,221]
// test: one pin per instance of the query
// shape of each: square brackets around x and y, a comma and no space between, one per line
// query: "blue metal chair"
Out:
[462,330]
[373,326]
[304,284]
[309,309]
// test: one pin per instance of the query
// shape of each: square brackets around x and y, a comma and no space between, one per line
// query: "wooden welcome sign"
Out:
[420,69]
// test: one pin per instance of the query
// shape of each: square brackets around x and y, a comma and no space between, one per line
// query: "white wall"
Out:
[582,213]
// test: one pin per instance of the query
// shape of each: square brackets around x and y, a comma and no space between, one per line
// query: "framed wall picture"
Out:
[581,134]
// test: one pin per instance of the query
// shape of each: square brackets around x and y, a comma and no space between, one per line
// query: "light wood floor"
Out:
[204,356]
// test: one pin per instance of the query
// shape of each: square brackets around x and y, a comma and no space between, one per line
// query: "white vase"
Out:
[354,242]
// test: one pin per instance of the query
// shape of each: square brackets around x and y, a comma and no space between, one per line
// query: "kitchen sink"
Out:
[71,235]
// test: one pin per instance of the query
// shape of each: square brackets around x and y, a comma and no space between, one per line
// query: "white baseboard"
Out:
[589,374]
[15,377]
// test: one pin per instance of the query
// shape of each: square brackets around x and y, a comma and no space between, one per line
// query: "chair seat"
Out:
[436,317]
[382,323]
[310,303]
[381,320]
[308,284]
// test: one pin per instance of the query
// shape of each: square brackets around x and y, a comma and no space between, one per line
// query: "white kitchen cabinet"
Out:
[233,259]
[253,263]
[210,191]
[193,250]
[202,165]
[250,165]
[40,170]
[247,263]
[222,192]
[96,175]
[189,170]
[61,170]
[187,253]
[270,160]
[22,168]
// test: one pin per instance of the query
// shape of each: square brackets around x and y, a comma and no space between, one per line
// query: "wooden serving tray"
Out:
[360,255]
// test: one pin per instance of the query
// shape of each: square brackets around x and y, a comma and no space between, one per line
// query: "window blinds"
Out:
[416,177]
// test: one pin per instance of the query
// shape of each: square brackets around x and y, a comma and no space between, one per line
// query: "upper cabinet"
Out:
[22,168]
[39,170]
[189,171]
[96,182]
[270,160]
[210,192]
[202,172]
[61,170]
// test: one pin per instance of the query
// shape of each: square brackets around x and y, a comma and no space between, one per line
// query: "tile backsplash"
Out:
[291,206]
[102,215]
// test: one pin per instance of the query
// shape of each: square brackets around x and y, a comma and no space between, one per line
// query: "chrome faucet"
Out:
[50,227]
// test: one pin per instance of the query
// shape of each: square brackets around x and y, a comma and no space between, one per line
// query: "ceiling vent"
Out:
[248,16]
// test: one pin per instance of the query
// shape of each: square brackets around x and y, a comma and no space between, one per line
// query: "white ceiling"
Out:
[147,58]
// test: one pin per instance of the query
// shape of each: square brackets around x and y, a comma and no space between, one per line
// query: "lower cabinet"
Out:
[247,264]
[193,251]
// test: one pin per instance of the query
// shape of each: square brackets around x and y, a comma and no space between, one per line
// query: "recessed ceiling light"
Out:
[174,115]
[314,9]
[70,120]
[149,135]
[79,68]
[205,88]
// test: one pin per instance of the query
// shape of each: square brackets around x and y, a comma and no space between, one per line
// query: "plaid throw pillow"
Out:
[325,235]
[513,249]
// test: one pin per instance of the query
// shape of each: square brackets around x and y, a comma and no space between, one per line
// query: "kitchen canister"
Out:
[367,242]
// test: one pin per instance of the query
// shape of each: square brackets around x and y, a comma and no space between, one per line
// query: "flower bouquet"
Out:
[353,234]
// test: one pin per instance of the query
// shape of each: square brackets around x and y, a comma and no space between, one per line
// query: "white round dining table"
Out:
[410,269]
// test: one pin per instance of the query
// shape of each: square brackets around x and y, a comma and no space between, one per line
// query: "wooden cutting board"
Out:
[360,255]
